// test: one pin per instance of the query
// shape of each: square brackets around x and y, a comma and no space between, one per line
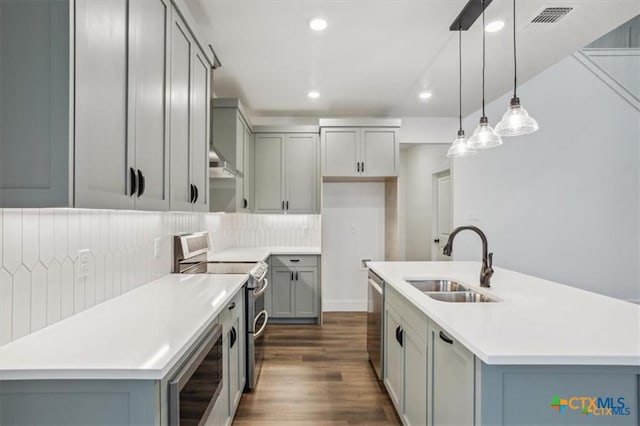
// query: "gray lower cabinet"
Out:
[452,380]
[405,361]
[286,173]
[432,379]
[294,291]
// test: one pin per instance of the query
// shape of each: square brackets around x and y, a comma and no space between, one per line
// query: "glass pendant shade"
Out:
[516,121]
[460,147]
[484,136]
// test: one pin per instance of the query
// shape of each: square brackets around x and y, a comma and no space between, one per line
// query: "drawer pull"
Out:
[294,260]
[446,338]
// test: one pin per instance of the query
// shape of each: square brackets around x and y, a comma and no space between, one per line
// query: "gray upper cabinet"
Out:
[189,121]
[103,148]
[35,104]
[105,140]
[360,152]
[233,140]
[269,177]
[149,97]
[286,173]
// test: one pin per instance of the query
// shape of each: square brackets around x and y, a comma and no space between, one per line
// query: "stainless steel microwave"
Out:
[195,388]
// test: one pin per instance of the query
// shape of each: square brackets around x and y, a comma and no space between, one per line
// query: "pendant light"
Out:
[516,121]
[484,136]
[459,148]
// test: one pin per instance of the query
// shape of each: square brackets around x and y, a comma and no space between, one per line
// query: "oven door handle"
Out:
[258,292]
[256,335]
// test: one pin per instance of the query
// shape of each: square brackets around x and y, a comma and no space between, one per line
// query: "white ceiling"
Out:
[377,55]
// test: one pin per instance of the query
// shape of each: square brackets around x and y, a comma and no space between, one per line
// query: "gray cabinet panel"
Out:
[380,152]
[180,115]
[282,292]
[452,381]
[340,152]
[393,358]
[247,181]
[301,178]
[34,105]
[103,154]
[305,289]
[268,173]
[148,72]
[415,378]
[199,148]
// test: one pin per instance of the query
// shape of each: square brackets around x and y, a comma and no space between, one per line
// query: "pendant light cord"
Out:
[483,55]
[460,73]
[515,60]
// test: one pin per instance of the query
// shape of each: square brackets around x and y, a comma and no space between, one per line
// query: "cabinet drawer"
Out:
[294,261]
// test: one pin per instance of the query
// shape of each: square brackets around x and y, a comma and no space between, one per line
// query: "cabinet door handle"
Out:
[296,275]
[196,188]
[232,305]
[233,336]
[292,276]
[141,183]
[446,338]
[192,193]
[358,163]
[246,203]
[283,205]
[133,182]
[399,332]
[287,204]
[362,167]
[437,240]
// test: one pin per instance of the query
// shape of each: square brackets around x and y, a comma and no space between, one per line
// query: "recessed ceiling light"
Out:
[494,26]
[424,95]
[314,94]
[318,24]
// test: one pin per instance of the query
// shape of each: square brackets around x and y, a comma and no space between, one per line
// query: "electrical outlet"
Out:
[82,264]
[156,247]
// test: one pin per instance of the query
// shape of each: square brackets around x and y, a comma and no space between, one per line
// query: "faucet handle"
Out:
[490,261]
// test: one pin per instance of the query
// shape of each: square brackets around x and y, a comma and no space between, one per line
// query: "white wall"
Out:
[352,229]
[562,203]
[428,130]
[418,164]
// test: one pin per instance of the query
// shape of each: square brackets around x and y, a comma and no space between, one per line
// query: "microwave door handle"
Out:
[257,334]
[258,292]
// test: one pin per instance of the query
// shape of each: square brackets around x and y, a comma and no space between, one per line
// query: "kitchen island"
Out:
[540,353]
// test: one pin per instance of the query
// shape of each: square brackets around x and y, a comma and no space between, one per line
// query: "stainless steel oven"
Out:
[190,257]
[195,388]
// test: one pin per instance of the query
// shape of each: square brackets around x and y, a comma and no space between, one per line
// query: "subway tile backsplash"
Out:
[39,268]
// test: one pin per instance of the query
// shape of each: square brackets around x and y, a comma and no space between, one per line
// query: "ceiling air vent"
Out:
[551,15]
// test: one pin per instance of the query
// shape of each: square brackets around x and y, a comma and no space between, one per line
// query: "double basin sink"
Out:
[449,291]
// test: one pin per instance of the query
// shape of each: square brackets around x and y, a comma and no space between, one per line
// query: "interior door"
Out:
[148,86]
[443,213]
[301,181]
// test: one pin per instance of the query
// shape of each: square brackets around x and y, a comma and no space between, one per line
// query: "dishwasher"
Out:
[374,322]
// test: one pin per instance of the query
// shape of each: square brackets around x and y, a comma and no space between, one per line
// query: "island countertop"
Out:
[139,335]
[534,321]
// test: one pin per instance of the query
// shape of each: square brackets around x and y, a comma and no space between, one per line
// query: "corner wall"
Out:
[563,203]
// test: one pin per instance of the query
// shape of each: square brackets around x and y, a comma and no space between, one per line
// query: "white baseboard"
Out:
[353,305]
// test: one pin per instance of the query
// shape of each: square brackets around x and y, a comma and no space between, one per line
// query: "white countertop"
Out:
[256,254]
[536,321]
[138,335]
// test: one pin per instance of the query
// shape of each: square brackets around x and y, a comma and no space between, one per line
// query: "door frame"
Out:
[434,208]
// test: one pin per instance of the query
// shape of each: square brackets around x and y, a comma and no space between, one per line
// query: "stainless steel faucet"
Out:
[487,258]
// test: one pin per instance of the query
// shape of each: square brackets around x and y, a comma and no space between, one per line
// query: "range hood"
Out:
[219,168]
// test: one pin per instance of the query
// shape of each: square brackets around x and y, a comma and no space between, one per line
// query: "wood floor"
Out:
[317,375]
